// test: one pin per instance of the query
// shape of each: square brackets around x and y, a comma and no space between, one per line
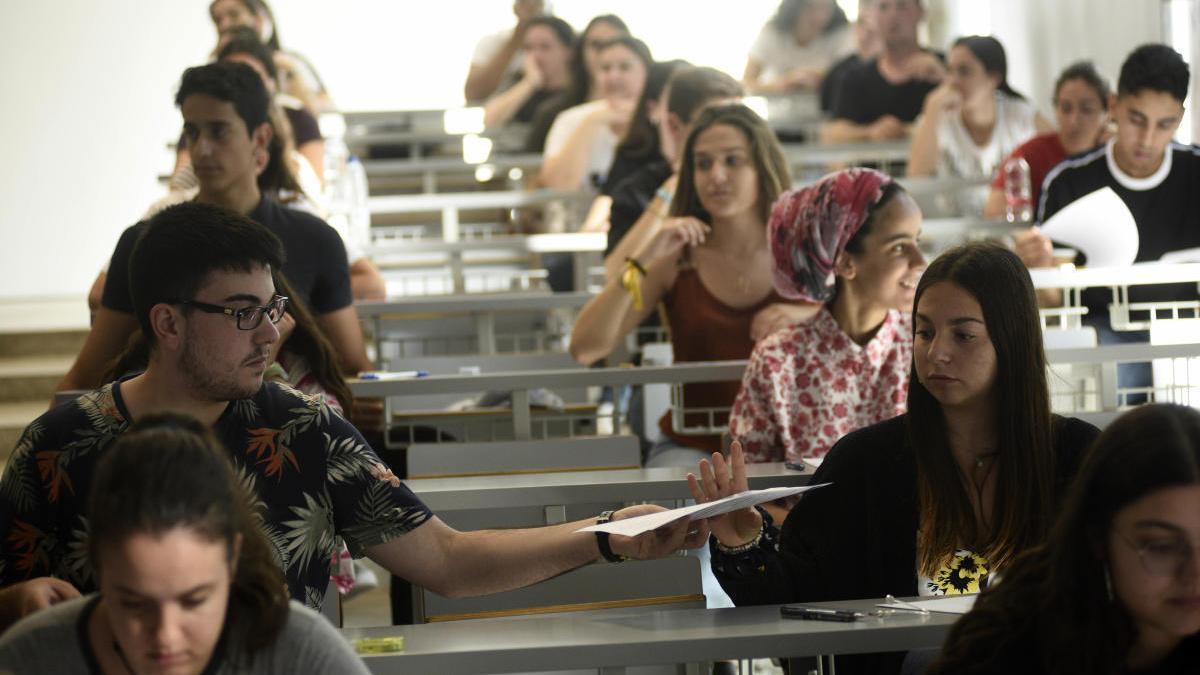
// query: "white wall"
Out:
[88,87]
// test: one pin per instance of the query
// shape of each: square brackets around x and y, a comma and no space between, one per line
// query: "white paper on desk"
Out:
[1100,225]
[631,527]
[1187,255]
[957,604]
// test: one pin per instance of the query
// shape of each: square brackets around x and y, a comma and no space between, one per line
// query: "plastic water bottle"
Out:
[359,211]
[1018,195]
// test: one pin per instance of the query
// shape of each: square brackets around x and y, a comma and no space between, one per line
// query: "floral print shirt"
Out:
[311,477]
[808,385]
[965,573]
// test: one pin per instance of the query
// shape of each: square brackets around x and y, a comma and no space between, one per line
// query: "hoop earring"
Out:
[1108,583]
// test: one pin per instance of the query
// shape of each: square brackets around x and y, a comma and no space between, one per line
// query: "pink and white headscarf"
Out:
[810,226]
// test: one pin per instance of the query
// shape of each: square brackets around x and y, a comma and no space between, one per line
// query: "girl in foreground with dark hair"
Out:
[934,501]
[187,583]
[1116,588]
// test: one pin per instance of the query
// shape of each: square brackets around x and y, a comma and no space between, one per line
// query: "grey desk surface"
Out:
[626,638]
[565,242]
[582,487]
[478,302]
[810,154]
[508,199]
[680,373]
[404,167]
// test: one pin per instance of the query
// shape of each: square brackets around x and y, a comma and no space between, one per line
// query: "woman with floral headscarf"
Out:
[849,242]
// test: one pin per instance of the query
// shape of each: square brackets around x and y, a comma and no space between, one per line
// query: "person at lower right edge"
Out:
[932,502]
[1116,587]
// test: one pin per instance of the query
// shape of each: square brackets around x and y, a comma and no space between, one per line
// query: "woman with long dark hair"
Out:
[709,265]
[582,142]
[585,71]
[187,581]
[1116,587]
[974,119]
[935,501]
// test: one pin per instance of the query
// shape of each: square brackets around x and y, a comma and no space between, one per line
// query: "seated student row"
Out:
[939,304]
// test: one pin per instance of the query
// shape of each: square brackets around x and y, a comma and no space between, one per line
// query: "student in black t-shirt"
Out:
[866,45]
[547,42]
[224,108]
[879,99]
[1155,177]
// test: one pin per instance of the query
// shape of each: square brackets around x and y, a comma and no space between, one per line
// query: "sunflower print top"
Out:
[311,477]
[965,573]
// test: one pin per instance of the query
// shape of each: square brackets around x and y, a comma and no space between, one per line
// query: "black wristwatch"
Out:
[602,540]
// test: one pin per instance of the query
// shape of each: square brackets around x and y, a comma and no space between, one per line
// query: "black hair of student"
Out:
[1025,458]
[641,140]
[183,244]
[692,87]
[790,10]
[235,83]
[771,166]
[561,29]
[243,40]
[991,54]
[169,471]
[1053,606]
[579,89]
[1084,71]
[1156,67]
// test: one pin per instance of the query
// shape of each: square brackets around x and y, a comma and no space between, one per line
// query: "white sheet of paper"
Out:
[631,527]
[1186,255]
[1100,225]
[957,604]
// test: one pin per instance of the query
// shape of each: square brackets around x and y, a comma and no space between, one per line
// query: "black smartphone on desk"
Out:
[818,613]
[794,466]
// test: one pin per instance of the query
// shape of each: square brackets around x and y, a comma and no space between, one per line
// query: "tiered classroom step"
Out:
[38,343]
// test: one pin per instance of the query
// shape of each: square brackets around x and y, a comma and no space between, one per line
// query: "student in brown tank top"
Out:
[709,264]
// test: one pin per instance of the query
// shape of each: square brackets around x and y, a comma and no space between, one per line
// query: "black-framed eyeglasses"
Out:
[1162,558]
[248,318]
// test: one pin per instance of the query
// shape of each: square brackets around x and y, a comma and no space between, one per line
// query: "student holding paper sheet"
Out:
[1116,587]
[1154,176]
[934,501]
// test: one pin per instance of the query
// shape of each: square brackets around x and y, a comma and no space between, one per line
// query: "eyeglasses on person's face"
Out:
[248,318]
[1162,557]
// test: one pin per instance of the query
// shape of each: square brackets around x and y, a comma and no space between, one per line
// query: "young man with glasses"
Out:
[206,303]
[224,108]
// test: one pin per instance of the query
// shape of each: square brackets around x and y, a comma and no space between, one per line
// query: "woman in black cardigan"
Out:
[935,500]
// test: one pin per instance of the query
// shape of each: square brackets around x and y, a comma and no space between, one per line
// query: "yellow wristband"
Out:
[631,280]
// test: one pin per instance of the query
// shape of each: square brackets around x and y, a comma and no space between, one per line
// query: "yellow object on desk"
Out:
[381,645]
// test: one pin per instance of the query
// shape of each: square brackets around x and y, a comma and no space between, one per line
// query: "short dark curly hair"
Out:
[1156,67]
